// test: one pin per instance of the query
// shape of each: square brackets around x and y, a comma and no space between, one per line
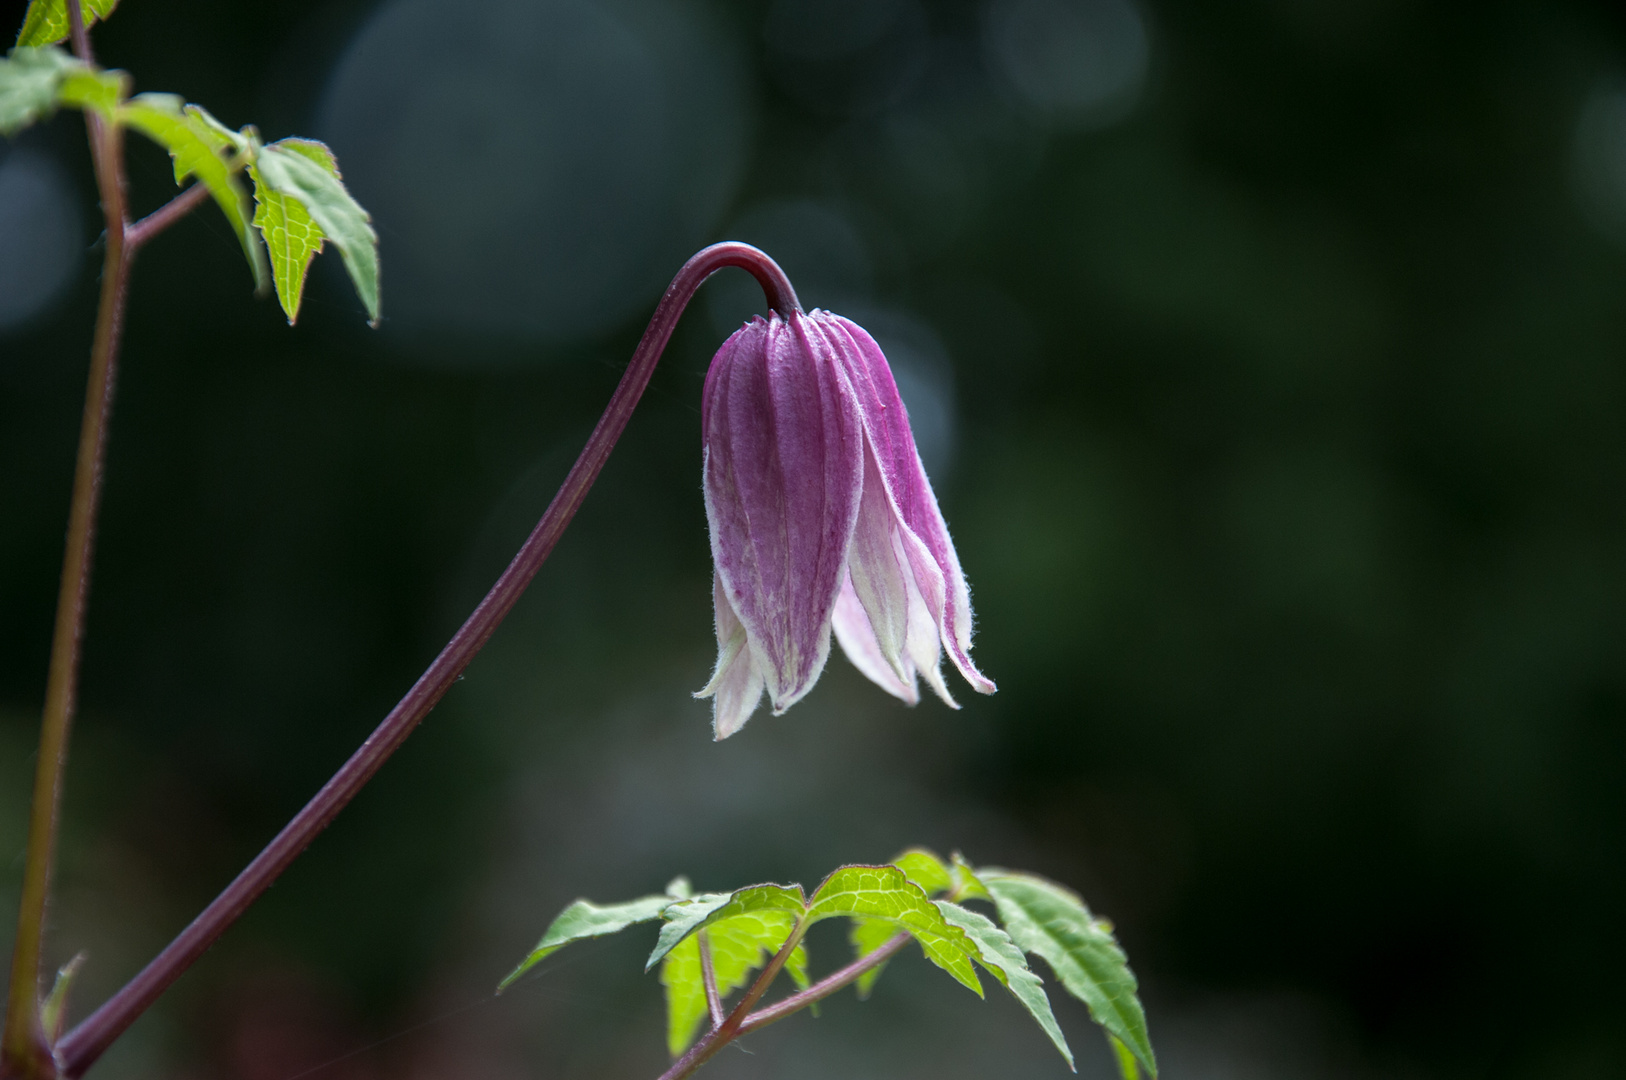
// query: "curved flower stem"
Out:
[25,1049]
[740,1022]
[87,1042]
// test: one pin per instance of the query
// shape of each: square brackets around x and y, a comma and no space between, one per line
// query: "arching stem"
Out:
[87,1042]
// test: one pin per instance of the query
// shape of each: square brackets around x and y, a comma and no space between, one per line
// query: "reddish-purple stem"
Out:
[708,974]
[162,218]
[87,1042]
[741,1022]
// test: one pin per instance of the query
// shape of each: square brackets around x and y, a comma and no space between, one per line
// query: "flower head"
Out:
[822,519]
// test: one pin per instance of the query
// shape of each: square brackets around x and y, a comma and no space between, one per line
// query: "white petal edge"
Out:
[736,685]
[857,638]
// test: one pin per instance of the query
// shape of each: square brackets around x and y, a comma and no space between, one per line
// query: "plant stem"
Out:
[87,1042]
[825,986]
[714,1001]
[25,1050]
[740,1022]
[165,216]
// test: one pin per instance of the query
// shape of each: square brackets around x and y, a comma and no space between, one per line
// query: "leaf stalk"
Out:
[162,218]
[714,1002]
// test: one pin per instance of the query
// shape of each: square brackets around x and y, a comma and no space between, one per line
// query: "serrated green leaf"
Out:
[740,944]
[291,236]
[925,869]
[1000,955]
[196,150]
[683,979]
[305,171]
[867,935]
[585,919]
[47,20]
[883,892]
[30,82]
[1128,1068]
[966,885]
[685,917]
[1052,922]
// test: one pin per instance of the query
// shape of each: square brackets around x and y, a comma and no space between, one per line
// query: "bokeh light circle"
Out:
[40,236]
[537,173]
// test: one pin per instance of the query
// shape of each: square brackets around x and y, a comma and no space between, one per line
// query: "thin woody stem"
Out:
[165,216]
[825,986]
[714,1002]
[740,1022]
[726,1032]
[86,1043]
[25,1047]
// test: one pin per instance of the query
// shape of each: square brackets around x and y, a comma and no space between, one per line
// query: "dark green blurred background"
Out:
[1270,361]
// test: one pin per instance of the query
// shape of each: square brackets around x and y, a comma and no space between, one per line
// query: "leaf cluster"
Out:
[919,895]
[298,203]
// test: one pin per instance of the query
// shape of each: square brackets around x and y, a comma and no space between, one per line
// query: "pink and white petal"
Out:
[877,575]
[783,472]
[738,692]
[925,645]
[886,426]
[857,637]
[736,684]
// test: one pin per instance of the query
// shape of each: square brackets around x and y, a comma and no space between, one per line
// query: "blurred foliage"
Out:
[1291,437]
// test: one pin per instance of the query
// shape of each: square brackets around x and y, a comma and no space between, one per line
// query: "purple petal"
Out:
[857,638]
[886,430]
[736,684]
[783,471]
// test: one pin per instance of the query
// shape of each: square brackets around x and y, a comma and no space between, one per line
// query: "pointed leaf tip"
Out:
[1000,955]
[1050,921]
[303,201]
[585,919]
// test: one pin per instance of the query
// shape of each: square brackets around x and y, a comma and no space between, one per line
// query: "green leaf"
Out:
[47,20]
[196,148]
[54,1007]
[585,919]
[999,954]
[883,892]
[966,885]
[1127,1066]
[740,944]
[225,137]
[685,917]
[90,88]
[30,82]
[291,235]
[867,935]
[305,171]
[925,869]
[1046,919]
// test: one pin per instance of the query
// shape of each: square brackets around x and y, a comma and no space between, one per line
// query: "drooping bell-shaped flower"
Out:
[822,519]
